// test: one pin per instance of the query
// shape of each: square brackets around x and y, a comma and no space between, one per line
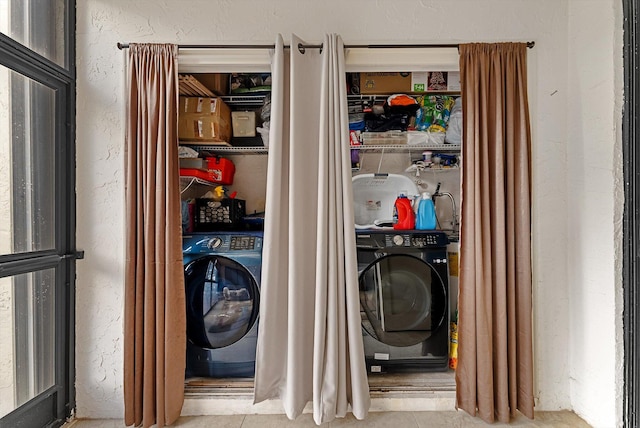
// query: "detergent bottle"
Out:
[426,217]
[403,215]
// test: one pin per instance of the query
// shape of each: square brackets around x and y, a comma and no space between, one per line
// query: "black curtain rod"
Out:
[302,47]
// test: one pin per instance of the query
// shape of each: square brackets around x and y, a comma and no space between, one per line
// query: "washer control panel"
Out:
[221,243]
[243,242]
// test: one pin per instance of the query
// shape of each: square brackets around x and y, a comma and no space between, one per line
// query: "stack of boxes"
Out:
[204,120]
[371,83]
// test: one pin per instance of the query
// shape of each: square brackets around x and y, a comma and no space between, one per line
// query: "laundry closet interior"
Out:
[404,139]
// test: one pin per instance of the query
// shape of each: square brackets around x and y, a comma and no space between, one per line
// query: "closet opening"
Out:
[392,150]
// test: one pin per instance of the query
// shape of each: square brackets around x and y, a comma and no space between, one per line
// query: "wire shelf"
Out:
[407,147]
[246,150]
[256,100]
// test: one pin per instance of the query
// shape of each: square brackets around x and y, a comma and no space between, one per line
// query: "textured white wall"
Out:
[594,170]
[101,24]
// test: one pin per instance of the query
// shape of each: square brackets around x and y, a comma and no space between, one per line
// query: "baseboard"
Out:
[241,402]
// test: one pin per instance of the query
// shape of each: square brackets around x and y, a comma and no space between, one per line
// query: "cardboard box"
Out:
[385,83]
[244,123]
[435,81]
[453,82]
[218,83]
[204,120]
[419,81]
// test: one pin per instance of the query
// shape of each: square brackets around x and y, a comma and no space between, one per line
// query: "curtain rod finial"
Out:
[531,44]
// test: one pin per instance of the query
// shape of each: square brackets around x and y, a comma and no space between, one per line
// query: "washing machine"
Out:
[222,285]
[404,299]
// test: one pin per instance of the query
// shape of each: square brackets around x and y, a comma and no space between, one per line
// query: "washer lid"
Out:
[374,196]
[222,301]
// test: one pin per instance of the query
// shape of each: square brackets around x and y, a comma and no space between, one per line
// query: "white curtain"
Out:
[309,340]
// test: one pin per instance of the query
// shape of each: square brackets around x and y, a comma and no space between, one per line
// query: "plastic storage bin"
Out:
[243,123]
[374,196]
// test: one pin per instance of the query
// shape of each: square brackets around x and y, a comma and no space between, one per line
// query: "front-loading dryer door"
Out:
[222,299]
[403,299]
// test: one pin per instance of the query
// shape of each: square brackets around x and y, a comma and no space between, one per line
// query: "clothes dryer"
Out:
[222,284]
[404,294]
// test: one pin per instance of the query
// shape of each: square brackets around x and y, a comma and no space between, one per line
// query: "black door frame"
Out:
[53,406]
[631,219]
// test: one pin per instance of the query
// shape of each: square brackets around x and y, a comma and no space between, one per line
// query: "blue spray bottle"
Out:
[426,217]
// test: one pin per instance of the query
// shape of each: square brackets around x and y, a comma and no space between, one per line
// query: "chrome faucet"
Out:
[455,224]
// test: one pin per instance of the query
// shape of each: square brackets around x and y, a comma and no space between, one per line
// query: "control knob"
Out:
[214,243]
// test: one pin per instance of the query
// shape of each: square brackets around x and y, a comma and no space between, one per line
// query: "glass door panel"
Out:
[37,212]
[27,162]
[38,25]
[27,337]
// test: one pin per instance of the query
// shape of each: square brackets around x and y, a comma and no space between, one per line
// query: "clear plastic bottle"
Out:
[403,216]
[426,217]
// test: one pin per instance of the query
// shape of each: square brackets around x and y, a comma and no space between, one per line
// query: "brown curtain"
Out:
[494,378]
[155,320]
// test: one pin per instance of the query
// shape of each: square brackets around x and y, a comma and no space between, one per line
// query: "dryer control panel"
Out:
[220,243]
[426,240]
[416,240]
[400,239]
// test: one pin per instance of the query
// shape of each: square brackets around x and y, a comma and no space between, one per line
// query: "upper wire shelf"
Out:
[362,147]
[407,147]
[382,96]
[255,150]
[255,100]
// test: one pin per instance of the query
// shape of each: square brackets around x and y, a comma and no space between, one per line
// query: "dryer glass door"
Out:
[222,301]
[402,299]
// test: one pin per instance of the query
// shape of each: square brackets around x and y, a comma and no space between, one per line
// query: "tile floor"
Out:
[453,419]
[411,393]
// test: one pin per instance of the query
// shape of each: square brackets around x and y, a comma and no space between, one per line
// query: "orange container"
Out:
[221,169]
[403,215]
